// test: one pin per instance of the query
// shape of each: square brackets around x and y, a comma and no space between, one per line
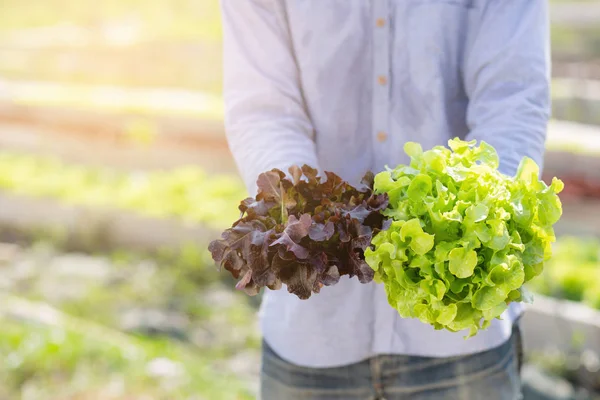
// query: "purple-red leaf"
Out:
[296,173]
[359,268]
[334,186]
[301,232]
[331,276]
[244,281]
[254,208]
[359,213]
[310,173]
[362,237]
[300,280]
[320,232]
[378,202]
[295,231]
[368,180]
[269,187]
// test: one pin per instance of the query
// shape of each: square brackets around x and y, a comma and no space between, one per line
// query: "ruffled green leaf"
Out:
[488,297]
[447,314]
[462,262]
[487,155]
[420,242]
[466,237]
[419,187]
[413,149]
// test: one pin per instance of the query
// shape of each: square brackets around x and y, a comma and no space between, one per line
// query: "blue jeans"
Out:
[491,375]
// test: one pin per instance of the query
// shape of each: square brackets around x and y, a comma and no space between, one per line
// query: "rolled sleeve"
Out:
[507,78]
[266,120]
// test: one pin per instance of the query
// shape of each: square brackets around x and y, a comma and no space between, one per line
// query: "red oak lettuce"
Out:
[301,231]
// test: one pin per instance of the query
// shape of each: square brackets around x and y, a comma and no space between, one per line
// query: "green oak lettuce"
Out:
[464,238]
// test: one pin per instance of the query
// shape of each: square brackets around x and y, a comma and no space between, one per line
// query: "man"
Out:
[341,85]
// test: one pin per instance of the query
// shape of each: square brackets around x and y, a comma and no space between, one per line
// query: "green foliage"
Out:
[87,330]
[187,193]
[464,237]
[66,364]
[573,273]
[582,42]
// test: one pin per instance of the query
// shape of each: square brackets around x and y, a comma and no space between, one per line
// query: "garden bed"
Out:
[551,324]
[127,154]
[562,338]
[121,324]
[107,228]
[562,326]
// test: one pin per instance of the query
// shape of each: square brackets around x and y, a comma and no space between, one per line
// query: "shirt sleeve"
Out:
[507,78]
[266,121]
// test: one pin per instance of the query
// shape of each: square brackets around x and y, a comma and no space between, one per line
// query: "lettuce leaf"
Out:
[304,232]
[464,237]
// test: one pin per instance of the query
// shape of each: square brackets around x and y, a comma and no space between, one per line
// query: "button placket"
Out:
[381,65]
[384,319]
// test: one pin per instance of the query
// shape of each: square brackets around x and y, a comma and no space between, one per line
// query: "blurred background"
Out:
[115,174]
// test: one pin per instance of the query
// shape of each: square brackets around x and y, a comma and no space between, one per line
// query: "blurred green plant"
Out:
[121,325]
[580,42]
[187,193]
[57,362]
[573,272]
[141,132]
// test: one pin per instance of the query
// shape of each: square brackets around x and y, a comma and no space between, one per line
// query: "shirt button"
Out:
[380,22]
[381,136]
[382,80]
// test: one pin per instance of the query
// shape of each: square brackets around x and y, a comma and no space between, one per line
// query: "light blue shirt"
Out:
[341,85]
